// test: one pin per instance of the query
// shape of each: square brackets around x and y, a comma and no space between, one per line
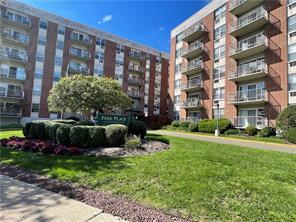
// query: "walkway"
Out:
[26,202]
[226,140]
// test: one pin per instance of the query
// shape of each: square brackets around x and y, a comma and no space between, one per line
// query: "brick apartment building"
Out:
[235,59]
[37,48]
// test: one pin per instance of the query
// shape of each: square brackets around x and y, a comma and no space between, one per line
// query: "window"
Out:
[119,48]
[216,114]
[58,61]
[43,24]
[220,32]
[99,56]
[292,82]
[2,91]
[60,44]
[99,71]
[176,115]
[178,53]
[219,93]
[292,23]
[56,76]
[100,42]
[176,100]
[179,38]
[177,83]
[219,72]
[292,53]
[37,90]
[220,13]
[118,62]
[61,30]
[41,40]
[40,57]
[35,107]
[178,68]
[219,52]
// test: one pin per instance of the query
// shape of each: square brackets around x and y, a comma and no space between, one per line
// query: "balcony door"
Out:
[247,117]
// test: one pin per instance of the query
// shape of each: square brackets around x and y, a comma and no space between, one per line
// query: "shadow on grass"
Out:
[157,137]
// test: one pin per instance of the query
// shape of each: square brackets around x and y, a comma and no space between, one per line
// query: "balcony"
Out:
[193,50]
[80,54]
[193,67]
[244,121]
[14,55]
[135,94]
[192,103]
[192,85]
[193,32]
[137,56]
[249,47]
[136,69]
[16,38]
[239,7]
[191,119]
[10,113]
[80,39]
[245,97]
[135,81]
[74,69]
[12,74]
[16,20]
[251,22]
[14,94]
[249,71]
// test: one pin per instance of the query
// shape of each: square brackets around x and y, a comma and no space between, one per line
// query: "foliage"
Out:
[175,123]
[38,130]
[184,124]
[85,123]
[80,93]
[27,129]
[78,135]
[62,135]
[267,132]
[290,135]
[287,118]
[137,128]
[232,132]
[96,136]
[73,118]
[209,125]
[64,121]
[11,126]
[116,134]
[133,142]
[251,130]
[193,127]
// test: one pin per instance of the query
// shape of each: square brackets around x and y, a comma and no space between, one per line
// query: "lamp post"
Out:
[217,132]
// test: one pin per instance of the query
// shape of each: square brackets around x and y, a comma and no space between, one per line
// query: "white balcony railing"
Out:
[12,94]
[77,69]
[191,103]
[234,3]
[11,112]
[248,69]
[196,27]
[245,121]
[191,118]
[80,53]
[136,68]
[192,47]
[248,18]
[7,73]
[14,54]
[135,94]
[137,55]
[80,38]
[135,80]
[248,96]
[192,83]
[192,65]
[13,17]
[16,36]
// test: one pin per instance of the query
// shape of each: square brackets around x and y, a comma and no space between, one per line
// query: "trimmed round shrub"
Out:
[133,143]
[209,125]
[115,134]
[184,124]
[175,123]
[27,129]
[73,118]
[62,135]
[137,128]
[267,132]
[85,123]
[78,135]
[37,130]
[96,136]
[51,128]
[251,130]
[284,119]
[193,127]
[232,132]
[290,135]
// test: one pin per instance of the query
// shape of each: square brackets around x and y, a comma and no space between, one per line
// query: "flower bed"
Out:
[31,145]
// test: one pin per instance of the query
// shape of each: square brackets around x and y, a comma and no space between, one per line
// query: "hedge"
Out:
[116,134]
[85,123]
[290,135]
[267,132]
[209,125]
[284,119]
[27,129]
[137,128]
[193,127]
[175,123]
[37,130]
[96,136]
[78,136]
[62,135]
[184,124]
[251,130]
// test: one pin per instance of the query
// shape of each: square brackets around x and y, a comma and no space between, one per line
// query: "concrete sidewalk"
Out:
[226,140]
[26,202]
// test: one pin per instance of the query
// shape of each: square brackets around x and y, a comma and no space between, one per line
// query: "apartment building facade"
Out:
[38,48]
[235,59]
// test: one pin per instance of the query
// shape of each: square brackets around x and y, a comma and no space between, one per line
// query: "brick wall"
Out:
[171,78]
[151,85]
[109,58]
[164,87]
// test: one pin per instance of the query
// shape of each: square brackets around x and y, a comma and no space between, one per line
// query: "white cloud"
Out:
[105,19]
[160,28]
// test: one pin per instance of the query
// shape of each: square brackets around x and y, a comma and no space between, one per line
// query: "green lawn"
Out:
[9,133]
[199,180]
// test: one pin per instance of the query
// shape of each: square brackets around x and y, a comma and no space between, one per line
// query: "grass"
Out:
[243,137]
[9,133]
[199,180]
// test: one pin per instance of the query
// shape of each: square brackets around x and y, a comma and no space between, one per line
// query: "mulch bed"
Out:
[118,206]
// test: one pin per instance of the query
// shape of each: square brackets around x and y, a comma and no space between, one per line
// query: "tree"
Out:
[287,118]
[82,94]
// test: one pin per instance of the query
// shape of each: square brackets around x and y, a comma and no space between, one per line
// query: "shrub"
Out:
[290,135]
[85,123]
[251,130]
[184,124]
[267,132]
[51,128]
[137,128]
[73,118]
[62,135]
[175,123]
[37,130]
[65,121]
[116,134]
[232,132]
[27,129]
[96,136]
[209,125]
[193,127]
[133,142]
[284,119]
[78,135]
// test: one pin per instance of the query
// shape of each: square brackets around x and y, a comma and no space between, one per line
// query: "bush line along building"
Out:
[239,54]
[38,48]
